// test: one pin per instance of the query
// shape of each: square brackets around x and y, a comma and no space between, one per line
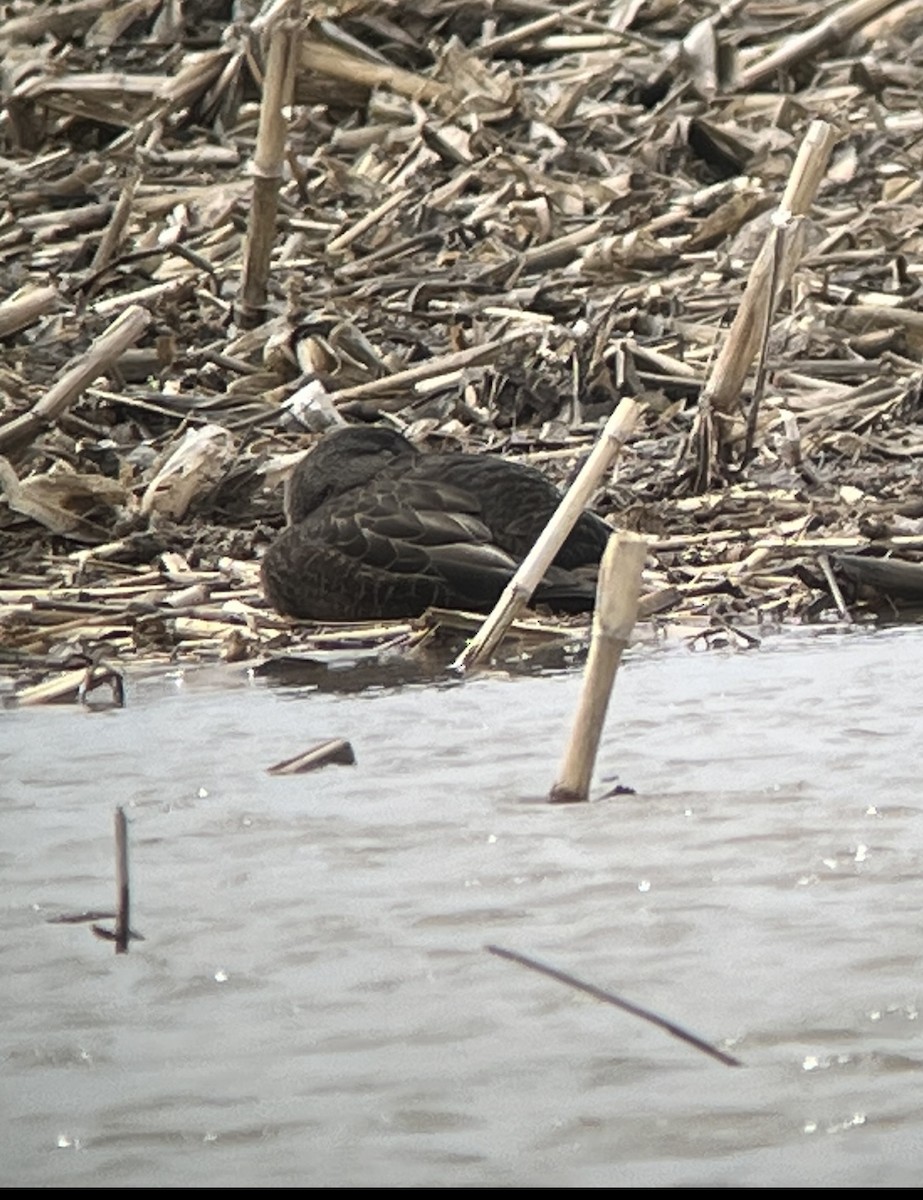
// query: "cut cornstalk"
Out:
[613,619]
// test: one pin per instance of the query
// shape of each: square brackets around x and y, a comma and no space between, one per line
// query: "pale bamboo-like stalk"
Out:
[616,611]
[22,310]
[441,364]
[112,237]
[318,56]
[125,330]
[375,217]
[267,169]
[724,385]
[63,21]
[518,591]
[333,750]
[836,27]
[562,250]
[58,687]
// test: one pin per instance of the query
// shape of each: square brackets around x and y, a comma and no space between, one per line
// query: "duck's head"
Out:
[344,458]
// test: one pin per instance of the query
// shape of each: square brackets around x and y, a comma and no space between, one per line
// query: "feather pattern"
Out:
[380,531]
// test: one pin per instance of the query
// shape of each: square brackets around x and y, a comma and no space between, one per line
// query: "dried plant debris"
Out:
[224,229]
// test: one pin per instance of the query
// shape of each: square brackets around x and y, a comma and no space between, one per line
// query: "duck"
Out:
[378,530]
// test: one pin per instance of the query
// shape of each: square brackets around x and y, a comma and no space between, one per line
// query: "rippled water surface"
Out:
[313,1005]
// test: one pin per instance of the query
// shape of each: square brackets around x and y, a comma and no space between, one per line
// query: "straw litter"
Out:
[224,228]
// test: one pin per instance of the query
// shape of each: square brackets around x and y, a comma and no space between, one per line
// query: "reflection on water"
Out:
[398,664]
[313,1004]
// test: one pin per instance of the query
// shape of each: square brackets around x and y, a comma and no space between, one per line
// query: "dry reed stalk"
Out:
[57,687]
[192,470]
[836,27]
[125,330]
[441,364]
[613,619]
[834,587]
[111,240]
[334,750]
[519,590]
[26,307]
[769,276]
[170,291]
[561,250]
[62,21]
[530,30]
[733,362]
[372,218]
[324,58]
[267,169]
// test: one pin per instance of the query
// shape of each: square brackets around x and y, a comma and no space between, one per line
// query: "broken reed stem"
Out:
[375,217]
[112,236]
[319,56]
[24,309]
[518,591]
[333,750]
[267,167]
[723,387]
[781,229]
[835,592]
[839,25]
[106,350]
[615,614]
[443,364]
[122,920]
[713,430]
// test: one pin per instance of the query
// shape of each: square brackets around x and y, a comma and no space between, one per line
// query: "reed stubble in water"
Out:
[123,889]
[613,619]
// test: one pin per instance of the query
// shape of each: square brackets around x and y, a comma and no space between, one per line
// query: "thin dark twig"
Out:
[610,998]
[122,928]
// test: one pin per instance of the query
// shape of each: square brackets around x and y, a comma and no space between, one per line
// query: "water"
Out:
[313,1006]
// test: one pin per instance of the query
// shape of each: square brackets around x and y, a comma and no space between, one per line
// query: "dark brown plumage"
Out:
[379,530]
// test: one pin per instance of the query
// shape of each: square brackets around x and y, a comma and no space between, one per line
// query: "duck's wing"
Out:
[516,502]
[421,514]
[452,523]
[390,550]
[395,547]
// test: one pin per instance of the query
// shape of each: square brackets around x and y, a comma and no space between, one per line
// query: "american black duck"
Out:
[378,530]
